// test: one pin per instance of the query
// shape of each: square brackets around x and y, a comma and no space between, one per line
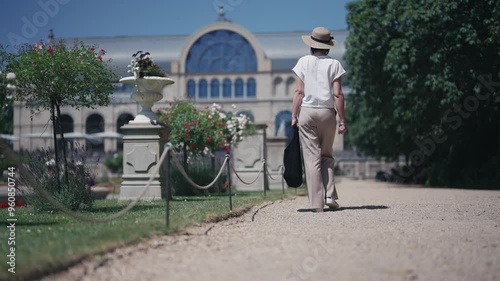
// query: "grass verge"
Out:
[46,243]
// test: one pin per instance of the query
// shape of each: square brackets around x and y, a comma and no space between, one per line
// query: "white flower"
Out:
[242,119]
[11,76]
[206,151]
[50,163]
[11,87]
[215,107]
[233,105]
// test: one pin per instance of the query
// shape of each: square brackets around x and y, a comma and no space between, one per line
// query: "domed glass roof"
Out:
[221,51]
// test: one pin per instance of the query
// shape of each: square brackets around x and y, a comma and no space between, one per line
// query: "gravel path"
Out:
[381,232]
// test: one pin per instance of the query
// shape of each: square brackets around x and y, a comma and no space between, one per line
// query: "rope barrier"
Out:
[167,153]
[186,176]
[269,174]
[252,182]
[31,180]
[282,169]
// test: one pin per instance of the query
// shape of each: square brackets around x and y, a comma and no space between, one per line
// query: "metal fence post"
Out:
[167,187]
[229,181]
[282,180]
[266,181]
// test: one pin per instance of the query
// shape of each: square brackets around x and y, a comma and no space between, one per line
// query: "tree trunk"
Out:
[53,117]
[65,159]
[185,163]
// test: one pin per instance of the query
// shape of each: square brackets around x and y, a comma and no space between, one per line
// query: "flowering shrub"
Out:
[50,76]
[190,130]
[57,75]
[75,192]
[203,132]
[236,126]
[142,65]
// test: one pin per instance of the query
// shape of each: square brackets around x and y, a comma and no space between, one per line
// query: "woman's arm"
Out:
[297,101]
[339,102]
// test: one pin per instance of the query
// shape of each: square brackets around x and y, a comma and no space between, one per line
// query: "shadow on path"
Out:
[364,207]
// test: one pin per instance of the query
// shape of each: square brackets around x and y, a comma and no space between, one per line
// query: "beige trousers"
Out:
[317,127]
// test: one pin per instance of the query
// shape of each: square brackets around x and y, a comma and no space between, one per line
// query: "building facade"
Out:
[220,63]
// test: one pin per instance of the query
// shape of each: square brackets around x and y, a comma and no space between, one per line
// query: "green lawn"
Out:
[50,242]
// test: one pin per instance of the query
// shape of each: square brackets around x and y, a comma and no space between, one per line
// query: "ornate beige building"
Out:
[220,63]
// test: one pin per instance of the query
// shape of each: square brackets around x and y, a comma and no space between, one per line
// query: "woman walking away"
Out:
[318,74]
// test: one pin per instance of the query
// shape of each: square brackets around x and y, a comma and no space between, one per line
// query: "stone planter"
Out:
[143,141]
[147,91]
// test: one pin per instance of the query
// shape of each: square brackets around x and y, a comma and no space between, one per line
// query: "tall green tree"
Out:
[6,110]
[425,75]
[50,76]
[6,116]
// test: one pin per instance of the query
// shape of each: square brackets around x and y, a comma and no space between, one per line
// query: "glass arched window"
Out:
[221,51]
[214,89]
[251,88]
[283,124]
[226,88]
[277,84]
[203,89]
[191,88]
[238,88]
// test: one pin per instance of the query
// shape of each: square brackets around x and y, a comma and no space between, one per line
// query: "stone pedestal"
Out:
[142,148]
[275,150]
[247,160]
[143,142]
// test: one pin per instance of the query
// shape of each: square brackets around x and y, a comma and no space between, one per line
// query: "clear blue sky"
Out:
[30,20]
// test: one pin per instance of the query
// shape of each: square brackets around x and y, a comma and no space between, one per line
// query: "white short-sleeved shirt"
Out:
[318,74]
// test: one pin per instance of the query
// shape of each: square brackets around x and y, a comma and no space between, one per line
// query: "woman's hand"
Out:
[295,122]
[342,128]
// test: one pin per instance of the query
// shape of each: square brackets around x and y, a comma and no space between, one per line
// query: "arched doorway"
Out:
[123,119]
[95,124]
[67,125]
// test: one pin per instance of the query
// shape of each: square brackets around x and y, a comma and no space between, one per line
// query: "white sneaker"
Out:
[332,204]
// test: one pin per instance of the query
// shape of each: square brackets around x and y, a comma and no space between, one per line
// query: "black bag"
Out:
[292,160]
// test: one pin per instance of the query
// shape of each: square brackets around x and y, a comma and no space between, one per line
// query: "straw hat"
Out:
[320,38]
